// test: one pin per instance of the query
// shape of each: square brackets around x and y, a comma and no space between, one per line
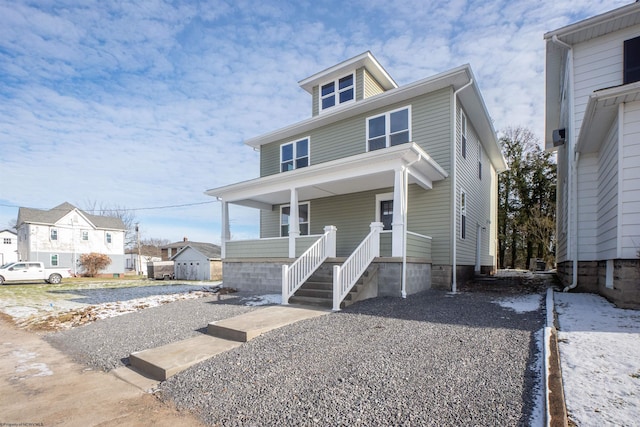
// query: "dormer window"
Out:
[337,92]
[294,155]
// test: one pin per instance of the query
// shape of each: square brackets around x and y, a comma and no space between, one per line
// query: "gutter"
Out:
[572,176]
[454,190]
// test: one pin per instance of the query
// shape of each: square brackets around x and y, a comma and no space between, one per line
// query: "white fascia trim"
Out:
[344,168]
[365,59]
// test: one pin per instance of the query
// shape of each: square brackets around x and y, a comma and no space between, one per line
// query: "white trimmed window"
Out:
[54,260]
[389,129]
[7,240]
[54,234]
[107,237]
[463,134]
[337,92]
[303,219]
[294,155]
[463,214]
[85,235]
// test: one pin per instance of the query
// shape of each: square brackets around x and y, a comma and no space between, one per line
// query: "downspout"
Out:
[454,190]
[572,209]
[405,208]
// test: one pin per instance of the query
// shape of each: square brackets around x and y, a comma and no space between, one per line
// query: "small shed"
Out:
[198,261]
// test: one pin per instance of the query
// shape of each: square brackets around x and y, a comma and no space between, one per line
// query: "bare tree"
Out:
[127,216]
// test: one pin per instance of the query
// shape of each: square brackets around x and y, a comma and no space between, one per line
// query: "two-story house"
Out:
[394,182]
[8,247]
[593,122]
[58,236]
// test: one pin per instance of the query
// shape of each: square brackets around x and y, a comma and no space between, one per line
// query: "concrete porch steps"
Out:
[162,362]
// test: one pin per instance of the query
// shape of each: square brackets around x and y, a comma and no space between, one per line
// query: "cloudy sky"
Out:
[145,105]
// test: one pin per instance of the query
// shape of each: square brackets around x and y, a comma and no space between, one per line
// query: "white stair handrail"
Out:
[294,275]
[346,276]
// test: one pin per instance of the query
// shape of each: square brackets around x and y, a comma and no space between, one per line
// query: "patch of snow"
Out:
[520,304]
[257,300]
[599,347]
[32,369]
[538,413]
[20,312]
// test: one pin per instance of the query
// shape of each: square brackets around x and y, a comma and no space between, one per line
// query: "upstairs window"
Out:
[389,129]
[463,134]
[303,219]
[107,237]
[7,240]
[337,92]
[631,60]
[85,235]
[54,234]
[294,155]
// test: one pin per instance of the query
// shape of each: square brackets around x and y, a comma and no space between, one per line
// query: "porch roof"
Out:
[366,171]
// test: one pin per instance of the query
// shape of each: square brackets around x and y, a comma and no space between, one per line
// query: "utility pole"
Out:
[138,263]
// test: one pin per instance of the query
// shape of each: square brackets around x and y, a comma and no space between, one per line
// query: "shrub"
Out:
[93,263]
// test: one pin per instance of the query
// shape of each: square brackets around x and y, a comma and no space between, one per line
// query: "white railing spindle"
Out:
[296,274]
[345,276]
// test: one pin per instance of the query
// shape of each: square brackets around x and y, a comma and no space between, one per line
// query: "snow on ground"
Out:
[600,358]
[256,300]
[521,303]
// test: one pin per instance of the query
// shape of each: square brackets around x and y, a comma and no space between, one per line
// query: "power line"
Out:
[119,209]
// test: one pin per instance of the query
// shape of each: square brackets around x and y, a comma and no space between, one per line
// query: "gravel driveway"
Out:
[430,359]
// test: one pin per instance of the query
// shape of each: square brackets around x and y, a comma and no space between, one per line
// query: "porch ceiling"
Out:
[353,174]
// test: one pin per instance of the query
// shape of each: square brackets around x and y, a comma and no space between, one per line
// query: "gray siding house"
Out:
[403,179]
[593,122]
[58,236]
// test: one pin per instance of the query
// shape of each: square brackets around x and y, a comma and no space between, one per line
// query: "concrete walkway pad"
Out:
[249,325]
[162,362]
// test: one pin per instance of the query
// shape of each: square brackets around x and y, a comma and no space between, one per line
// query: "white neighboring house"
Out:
[58,236]
[137,264]
[593,122]
[198,261]
[8,247]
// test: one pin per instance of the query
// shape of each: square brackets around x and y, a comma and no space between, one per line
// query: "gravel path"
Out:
[107,344]
[432,359]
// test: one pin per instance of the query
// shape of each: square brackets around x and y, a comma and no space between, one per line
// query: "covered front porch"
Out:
[331,192]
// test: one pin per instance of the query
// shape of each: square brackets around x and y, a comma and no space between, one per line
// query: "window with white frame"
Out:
[294,155]
[107,237]
[463,134]
[85,235]
[631,68]
[337,92]
[7,240]
[479,160]
[463,214]
[303,219]
[54,234]
[389,129]
[54,260]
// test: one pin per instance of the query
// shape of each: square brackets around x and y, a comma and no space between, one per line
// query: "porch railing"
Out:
[296,274]
[346,275]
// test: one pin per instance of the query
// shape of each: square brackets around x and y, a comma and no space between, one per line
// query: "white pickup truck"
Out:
[31,271]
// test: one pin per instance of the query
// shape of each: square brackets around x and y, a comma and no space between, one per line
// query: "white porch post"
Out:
[397,226]
[294,223]
[226,234]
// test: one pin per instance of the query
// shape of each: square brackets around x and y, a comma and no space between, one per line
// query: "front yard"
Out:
[80,300]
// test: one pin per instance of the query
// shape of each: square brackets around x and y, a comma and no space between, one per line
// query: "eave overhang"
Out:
[362,172]
[602,110]
[365,59]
